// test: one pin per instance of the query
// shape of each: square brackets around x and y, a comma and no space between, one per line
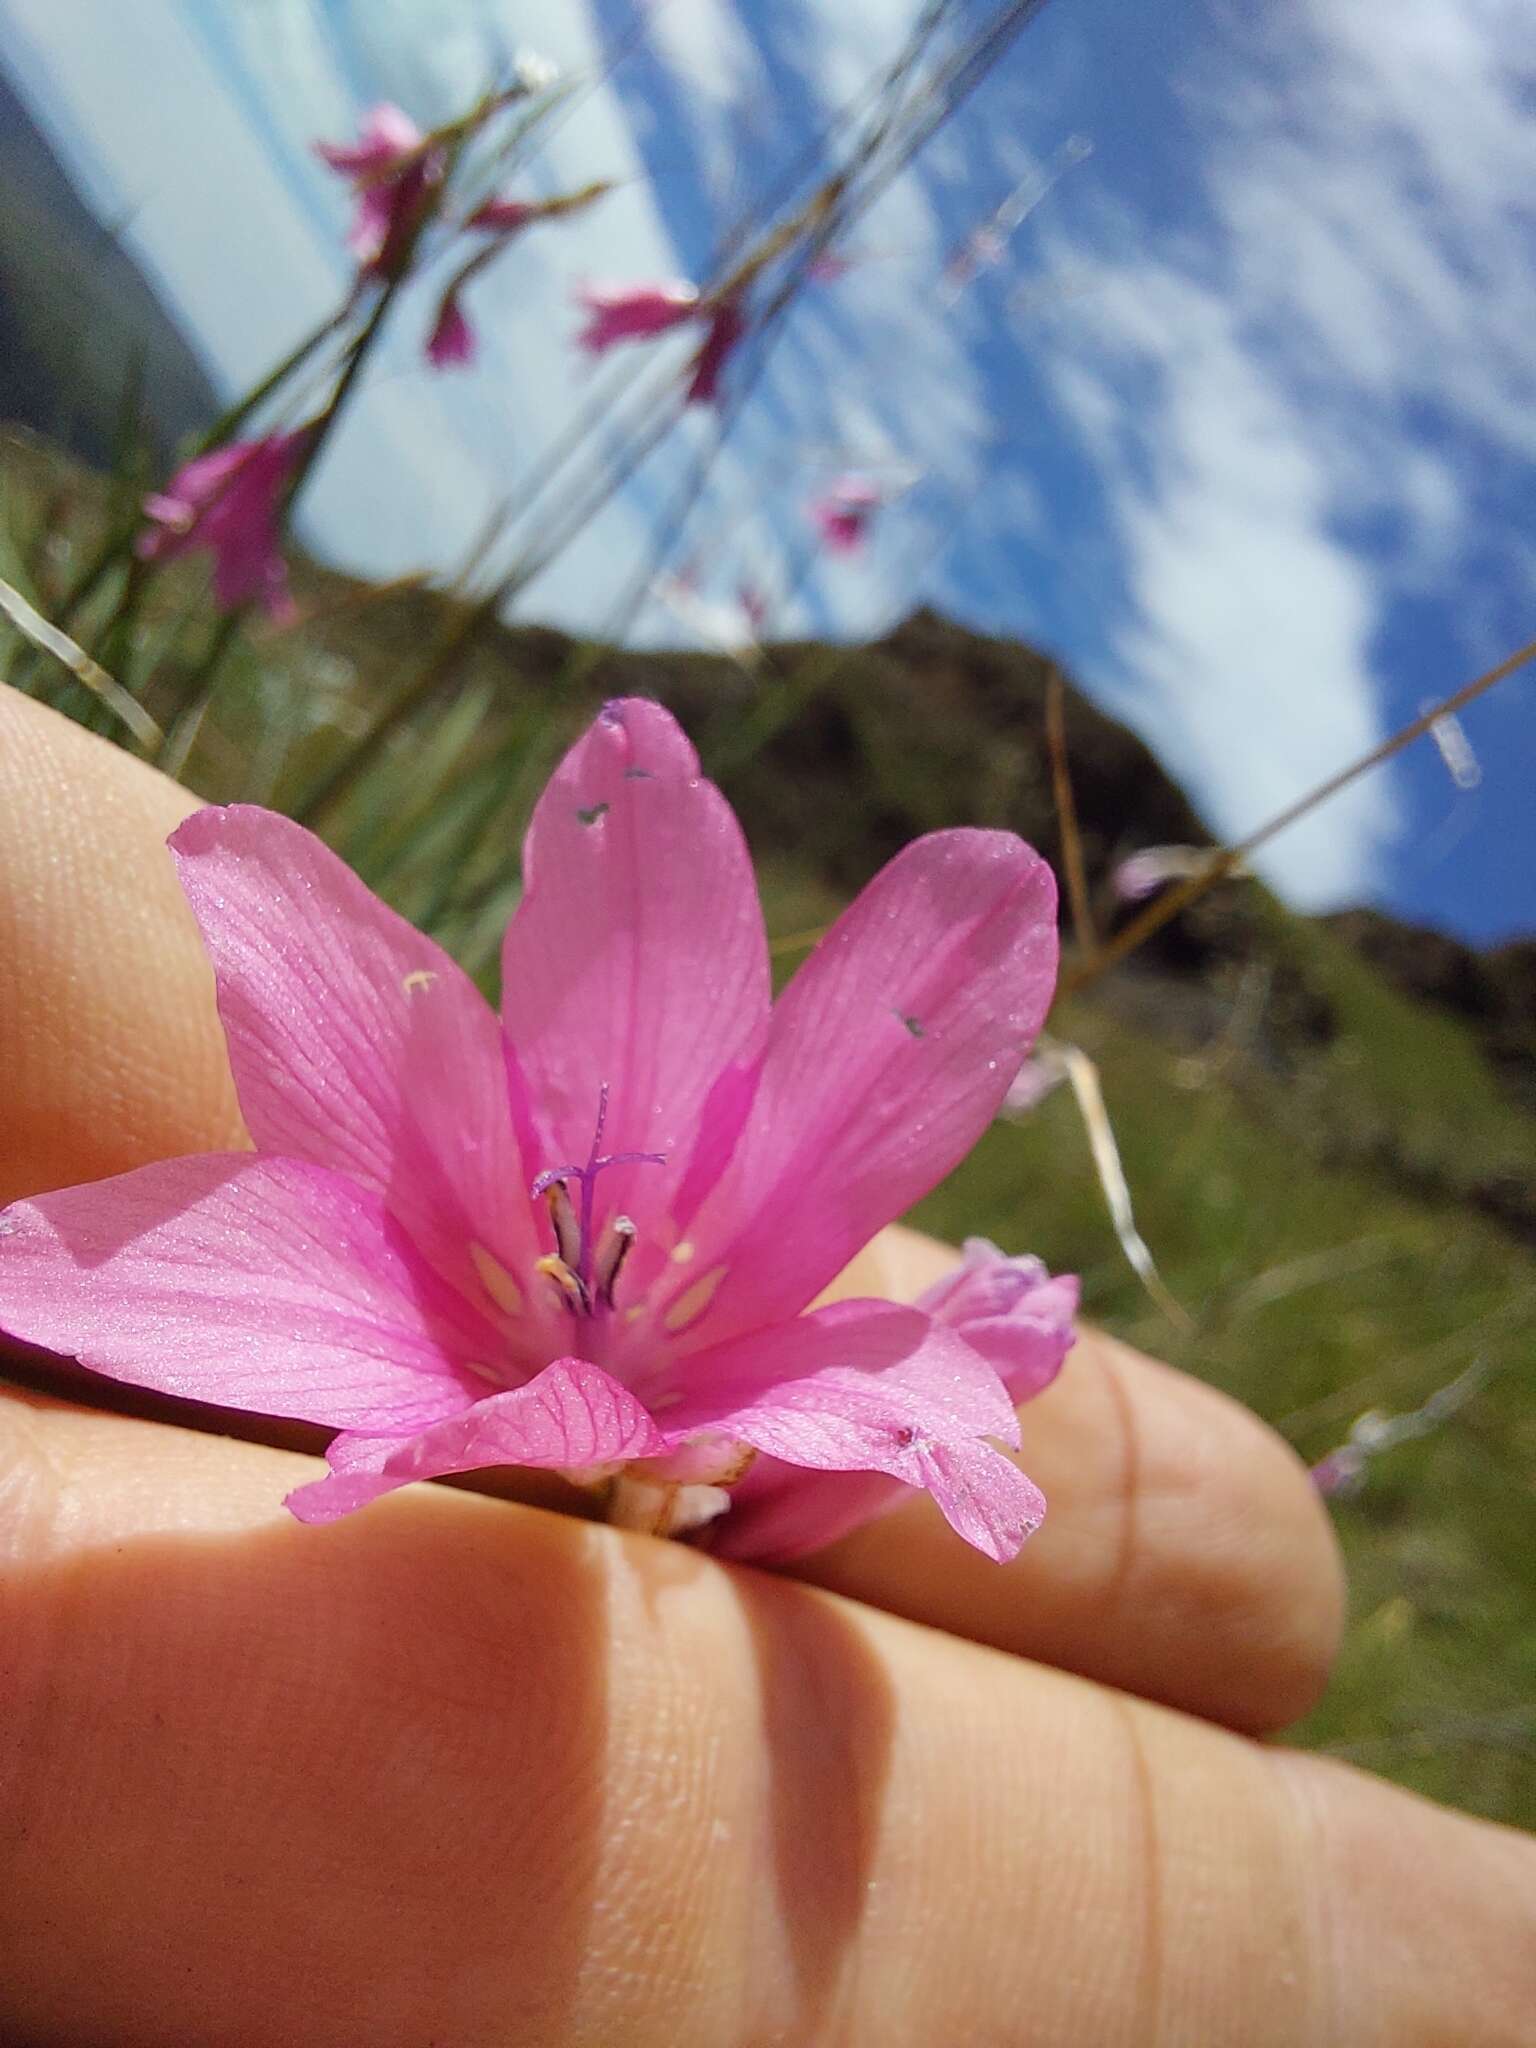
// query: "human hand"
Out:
[459,1771]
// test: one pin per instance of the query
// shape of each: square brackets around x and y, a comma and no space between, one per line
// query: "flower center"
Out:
[584,1270]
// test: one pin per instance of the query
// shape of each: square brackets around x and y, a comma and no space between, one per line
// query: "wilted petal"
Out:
[261,1284]
[637,957]
[356,1042]
[862,1387]
[887,1057]
[1016,1314]
[571,1415]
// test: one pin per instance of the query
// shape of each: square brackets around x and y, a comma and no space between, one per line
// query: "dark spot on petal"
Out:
[591,816]
[906,1436]
[911,1023]
[638,775]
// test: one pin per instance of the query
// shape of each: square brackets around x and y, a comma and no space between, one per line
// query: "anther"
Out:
[612,1252]
[570,1286]
[575,1272]
[567,1229]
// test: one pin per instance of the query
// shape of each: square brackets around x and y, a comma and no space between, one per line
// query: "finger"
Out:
[1184,1558]
[460,1771]
[1186,1555]
[109,1041]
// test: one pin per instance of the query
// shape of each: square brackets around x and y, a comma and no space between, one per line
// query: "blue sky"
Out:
[1243,426]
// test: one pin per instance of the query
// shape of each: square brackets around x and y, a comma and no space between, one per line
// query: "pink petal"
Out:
[501,216]
[452,340]
[779,1512]
[571,1416]
[887,1058]
[863,1387]
[357,1043]
[386,135]
[247,569]
[637,957]
[726,327]
[632,312]
[262,1284]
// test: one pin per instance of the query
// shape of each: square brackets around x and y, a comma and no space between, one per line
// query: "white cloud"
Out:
[705,45]
[1245,397]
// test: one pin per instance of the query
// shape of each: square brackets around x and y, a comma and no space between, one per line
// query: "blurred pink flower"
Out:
[1338,1475]
[227,503]
[391,172]
[587,1235]
[502,216]
[1142,874]
[452,339]
[618,313]
[632,312]
[753,600]
[1041,1074]
[844,511]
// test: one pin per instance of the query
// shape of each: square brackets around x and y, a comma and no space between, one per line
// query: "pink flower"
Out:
[228,503]
[391,172]
[844,511]
[632,312]
[452,339]
[586,1235]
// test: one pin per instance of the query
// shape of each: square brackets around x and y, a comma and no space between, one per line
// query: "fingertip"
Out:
[1185,1555]
[1233,1537]
[1424,1920]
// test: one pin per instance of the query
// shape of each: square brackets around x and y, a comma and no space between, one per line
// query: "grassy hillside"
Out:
[1336,1182]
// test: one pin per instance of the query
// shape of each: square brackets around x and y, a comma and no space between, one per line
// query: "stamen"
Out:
[567,1229]
[573,1230]
[572,1288]
[617,1243]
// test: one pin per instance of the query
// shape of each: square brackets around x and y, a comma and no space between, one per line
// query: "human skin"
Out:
[462,1771]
